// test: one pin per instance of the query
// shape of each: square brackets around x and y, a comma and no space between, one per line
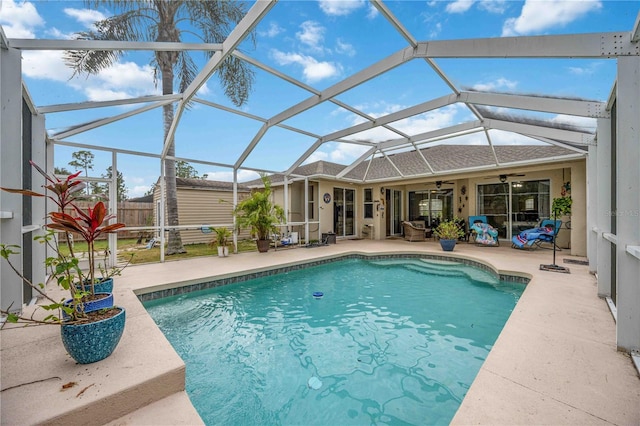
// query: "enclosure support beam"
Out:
[11,173]
[603,203]
[38,204]
[628,202]
[592,208]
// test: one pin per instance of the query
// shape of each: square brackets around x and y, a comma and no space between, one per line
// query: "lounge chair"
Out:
[534,238]
[414,231]
[481,233]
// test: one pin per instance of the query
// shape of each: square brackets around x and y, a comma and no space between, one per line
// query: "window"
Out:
[368,203]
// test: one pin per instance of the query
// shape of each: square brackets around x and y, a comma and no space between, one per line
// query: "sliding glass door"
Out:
[432,206]
[512,207]
[393,200]
[529,203]
[343,211]
[493,202]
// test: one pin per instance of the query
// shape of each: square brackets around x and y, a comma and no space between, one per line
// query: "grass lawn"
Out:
[144,255]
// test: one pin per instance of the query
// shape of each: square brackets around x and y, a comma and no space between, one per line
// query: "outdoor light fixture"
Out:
[438,184]
[503,178]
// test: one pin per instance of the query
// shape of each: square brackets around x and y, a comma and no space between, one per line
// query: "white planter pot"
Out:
[223,251]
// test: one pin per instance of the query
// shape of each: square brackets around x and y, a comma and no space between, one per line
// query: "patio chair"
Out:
[481,233]
[414,231]
[534,238]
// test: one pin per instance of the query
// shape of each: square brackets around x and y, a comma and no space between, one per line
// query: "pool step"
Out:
[442,268]
[173,410]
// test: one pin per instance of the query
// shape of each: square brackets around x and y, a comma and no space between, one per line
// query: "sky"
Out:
[318,43]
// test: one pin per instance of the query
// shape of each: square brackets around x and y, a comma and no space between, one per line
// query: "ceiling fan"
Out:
[503,177]
[439,183]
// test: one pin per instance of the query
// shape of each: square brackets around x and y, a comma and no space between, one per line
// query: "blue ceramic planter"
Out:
[94,341]
[94,305]
[105,286]
[447,245]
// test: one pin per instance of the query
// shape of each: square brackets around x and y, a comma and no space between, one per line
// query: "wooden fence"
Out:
[130,213]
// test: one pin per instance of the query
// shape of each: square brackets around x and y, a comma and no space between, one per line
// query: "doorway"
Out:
[343,211]
[512,207]
[393,200]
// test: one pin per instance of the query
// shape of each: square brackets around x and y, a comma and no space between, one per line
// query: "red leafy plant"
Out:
[90,224]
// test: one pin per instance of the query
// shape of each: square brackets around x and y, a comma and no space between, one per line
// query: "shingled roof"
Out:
[209,184]
[441,158]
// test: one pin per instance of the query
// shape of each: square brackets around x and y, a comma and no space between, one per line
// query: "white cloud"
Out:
[538,16]
[53,32]
[340,7]
[437,28]
[501,83]
[203,91]
[346,153]
[243,176]
[500,137]
[313,70]
[342,153]
[459,6]
[311,34]
[586,70]
[45,65]
[493,6]
[137,191]
[273,30]
[104,94]
[317,156]
[122,80]
[373,12]
[19,20]
[429,121]
[584,122]
[86,17]
[345,48]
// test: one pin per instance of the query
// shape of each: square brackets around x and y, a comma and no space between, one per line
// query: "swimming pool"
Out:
[389,342]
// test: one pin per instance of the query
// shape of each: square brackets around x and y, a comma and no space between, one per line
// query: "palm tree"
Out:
[161,21]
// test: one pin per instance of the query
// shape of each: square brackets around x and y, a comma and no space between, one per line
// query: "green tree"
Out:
[83,160]
[61,171]
[186,170]
[103,188]
[161,21]
[121,187]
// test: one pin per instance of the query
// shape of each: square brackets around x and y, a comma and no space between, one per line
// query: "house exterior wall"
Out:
[202,206]
[464,205]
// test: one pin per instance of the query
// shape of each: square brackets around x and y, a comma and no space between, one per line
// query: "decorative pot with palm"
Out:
[260,214]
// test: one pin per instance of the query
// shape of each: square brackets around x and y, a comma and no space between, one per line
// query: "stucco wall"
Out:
[463,204]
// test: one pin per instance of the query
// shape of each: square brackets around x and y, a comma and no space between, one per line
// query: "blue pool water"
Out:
[388,342]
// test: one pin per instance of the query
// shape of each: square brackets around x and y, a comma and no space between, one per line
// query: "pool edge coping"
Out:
[184,287]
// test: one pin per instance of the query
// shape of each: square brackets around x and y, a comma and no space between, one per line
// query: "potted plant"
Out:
[222,240]
[91,326]
[559,207]
[448,232]
[260,214]
[104,284]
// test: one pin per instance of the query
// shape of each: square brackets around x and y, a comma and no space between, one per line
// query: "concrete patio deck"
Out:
[555,361]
